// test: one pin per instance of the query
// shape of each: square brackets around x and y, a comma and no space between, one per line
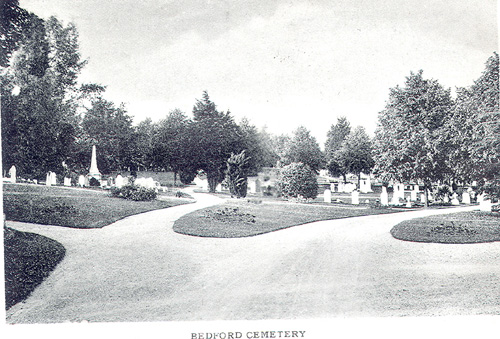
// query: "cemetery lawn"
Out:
[240,218]
[457,228]
[78,208]
[29,258]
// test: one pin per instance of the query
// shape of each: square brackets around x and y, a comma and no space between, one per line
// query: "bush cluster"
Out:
[134,192]
[297,180]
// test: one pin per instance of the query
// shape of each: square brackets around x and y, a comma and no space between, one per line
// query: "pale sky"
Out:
[279,63]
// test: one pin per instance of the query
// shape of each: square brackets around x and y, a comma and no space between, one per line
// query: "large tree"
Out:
[13,20]
[354,155]
[335,137]
[215,136]
[409,141]
[110,129]
[38,110]
[171,144]
[304,148]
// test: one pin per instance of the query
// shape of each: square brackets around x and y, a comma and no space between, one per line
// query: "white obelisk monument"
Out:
[94,171]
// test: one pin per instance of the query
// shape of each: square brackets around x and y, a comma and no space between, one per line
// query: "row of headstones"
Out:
[118,182]
[484,205]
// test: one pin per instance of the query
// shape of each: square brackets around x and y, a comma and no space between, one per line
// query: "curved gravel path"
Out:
[138,269]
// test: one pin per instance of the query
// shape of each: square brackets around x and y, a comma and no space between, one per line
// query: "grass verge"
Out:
[457,228]
[79,208]
[236,219]
[29,258]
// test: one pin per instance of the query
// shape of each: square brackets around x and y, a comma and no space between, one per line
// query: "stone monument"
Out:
[94,171]
[384,197]
[327,196]
[12,174]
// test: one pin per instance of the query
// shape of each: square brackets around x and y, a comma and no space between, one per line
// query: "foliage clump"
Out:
[134,192]
[236,177]
[297,180]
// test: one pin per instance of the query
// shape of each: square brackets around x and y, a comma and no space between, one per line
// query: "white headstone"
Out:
[466,198]
[355,197]
[413,195]
[349,187]
[455,201]
[81,181]
[218,188]
[251,186]
[384,197]
[327,196]
[67,181]
[446,199]
[119,181]
[480,198]
[53,178]
[365,186]
[422,198]
[12,174]
[340,187]
[48,179]
[485,206]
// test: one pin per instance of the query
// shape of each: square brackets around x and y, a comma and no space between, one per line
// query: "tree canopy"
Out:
[409,143]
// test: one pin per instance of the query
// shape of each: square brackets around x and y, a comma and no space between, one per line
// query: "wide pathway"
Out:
[138,269]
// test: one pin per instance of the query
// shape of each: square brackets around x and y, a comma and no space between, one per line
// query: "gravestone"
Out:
[384,197]
[327,196]
[349,187]
[365,186]
[485,205]
[119,181]
[340,187]
[48,179]
[466,198]
[12,174]
[454,200]
[251,186]
[67,181]
[446,199]
[81,181]
[53,178]
[355,197]
[94,171]
[422,198]
[218,188]
[413,195]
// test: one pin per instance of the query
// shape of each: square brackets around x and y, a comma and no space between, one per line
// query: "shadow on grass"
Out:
[29,258]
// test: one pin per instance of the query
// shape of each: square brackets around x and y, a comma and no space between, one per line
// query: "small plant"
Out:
[254,201]
[134,192]
[230,214]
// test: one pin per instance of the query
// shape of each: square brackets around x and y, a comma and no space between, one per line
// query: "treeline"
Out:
[50,122]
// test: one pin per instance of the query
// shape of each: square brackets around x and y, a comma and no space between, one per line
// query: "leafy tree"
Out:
[409,141]
[110,129]
[215,136]
[354,155]
[297,180]
[12,23]
[171,148]
[304,148]
[281,146]
[236,174]
[269,154]
[335,137]
[253,146]
[38,122]
[143,144]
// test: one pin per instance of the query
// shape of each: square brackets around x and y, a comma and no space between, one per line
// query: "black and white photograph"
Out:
[216,169]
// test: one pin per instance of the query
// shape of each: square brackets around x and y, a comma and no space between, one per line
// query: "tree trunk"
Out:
[345,178]
[426,192]
[359,180]
[212,183]
[175,178]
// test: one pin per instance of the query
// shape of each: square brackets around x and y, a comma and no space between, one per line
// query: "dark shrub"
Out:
[93,182]
[297,180]
[187,177]
[134,192]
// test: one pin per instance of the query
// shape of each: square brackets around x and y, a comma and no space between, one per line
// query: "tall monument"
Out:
[94,171]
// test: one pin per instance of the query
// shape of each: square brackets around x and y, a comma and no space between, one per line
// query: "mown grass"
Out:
[457,228]
[237,219]
[29,258]
[79,208]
